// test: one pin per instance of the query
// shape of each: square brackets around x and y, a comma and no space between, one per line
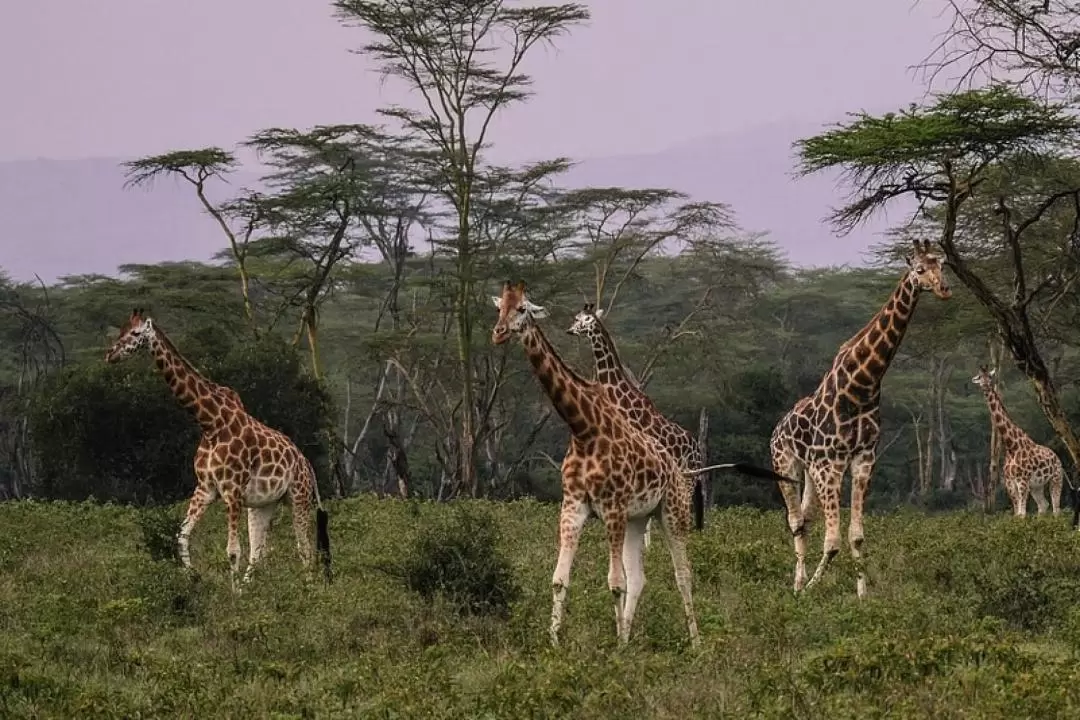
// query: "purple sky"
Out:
[129,77]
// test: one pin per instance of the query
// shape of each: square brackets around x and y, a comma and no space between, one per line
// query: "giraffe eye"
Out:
[920,269]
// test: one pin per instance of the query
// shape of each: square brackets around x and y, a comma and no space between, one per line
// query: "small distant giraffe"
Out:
[638,407]
[238,458]
[839,425]
[611,470]
[1028,467]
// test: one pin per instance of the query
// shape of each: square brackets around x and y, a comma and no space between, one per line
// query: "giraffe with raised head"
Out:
[1029,468]
[238,459]
[611,470]
[624,392]
[837,427]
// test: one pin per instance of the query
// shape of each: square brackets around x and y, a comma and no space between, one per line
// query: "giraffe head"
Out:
[928,271]
[985,378]
[586,320]
[134,334]
[515,312]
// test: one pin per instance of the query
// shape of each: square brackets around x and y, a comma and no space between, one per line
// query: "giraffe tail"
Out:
[322,535]
[754,471]
[699,504]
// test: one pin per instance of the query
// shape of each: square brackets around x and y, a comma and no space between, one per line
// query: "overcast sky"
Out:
[128,77]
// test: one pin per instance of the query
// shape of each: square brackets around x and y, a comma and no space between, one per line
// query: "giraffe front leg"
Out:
[259,520]
[204,495]
[827,478]
[861,470]
[572,517]
[648,534]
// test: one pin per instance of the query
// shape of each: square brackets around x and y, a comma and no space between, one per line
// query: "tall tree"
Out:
[464,60]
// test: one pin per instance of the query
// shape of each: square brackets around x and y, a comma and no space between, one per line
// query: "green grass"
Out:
[969,616]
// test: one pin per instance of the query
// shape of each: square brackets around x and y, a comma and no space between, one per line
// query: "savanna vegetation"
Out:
[350,308]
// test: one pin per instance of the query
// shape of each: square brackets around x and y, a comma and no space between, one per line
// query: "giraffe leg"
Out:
[258,525]
[205,494]
[1038,492]
[861,469]
[232,546]
[300,495]
[615,523]
[827,478]
[797,517]
[1020,496]
[676,530]
[572,519]
[648,534]
[633,557]
[1057,480]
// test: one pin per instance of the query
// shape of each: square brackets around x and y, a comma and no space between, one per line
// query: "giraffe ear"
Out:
[497,301]
[537,311]
[993,372]
[600,312]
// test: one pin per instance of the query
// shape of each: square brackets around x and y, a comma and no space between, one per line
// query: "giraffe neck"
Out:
[194,392]
[862,361]
[609,368]
[562,385]
[1011,434]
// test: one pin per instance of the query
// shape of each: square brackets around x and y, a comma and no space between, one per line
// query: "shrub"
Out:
[159,528]
[458,559]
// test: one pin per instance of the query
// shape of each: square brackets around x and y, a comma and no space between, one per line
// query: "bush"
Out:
[159,528]
[458,559]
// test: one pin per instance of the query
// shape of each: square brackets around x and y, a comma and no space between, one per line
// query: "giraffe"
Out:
[238,458]
[1028,467]
[638,407]
[838,426]
[611,469]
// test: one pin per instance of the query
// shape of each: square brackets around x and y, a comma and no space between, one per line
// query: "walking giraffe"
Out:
[838,426]
[638,407]
[611,469]
[1028,467]
[238,458]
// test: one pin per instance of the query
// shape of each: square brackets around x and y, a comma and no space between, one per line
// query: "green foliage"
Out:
[160,527]
[458,559]
[94,628]
[111,432]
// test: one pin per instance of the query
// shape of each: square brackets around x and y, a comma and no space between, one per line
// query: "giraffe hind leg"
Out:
[633,557]
[1038,493]
[827,478]
[798,519]
[1056,484]
[259,519]
[675,533]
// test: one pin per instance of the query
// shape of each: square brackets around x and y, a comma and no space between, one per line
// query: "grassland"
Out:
[969,616]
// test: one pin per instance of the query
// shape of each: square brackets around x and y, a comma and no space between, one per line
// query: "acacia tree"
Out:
[322,182]
[1034,43]
[197,168]
[943,155]
[464,60]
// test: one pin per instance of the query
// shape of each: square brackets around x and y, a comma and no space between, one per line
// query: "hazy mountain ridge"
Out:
[66,217]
